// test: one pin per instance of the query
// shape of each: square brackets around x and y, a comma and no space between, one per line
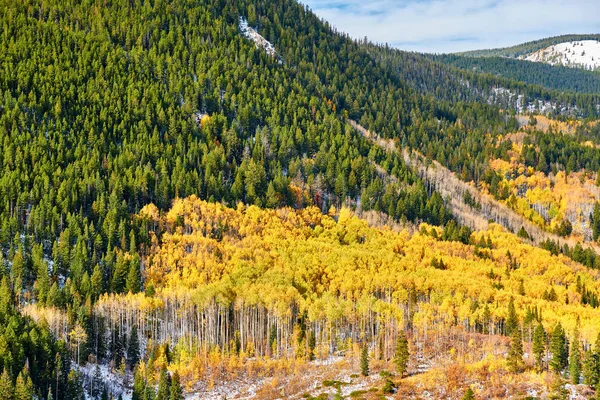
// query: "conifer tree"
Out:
[596,220]
[6,386]
[515,354]
[512,321]
[312,341]
[133,282]
[139,385]
[117,348]
[558,349]
[590,368]
[575,359]
[23,386]
[402,354]
[539,346]
[557,388]
[176,389]
[133,349]
[74,387]
[364,360]
[97,386]
[164,385]
[97,282]
[469,395]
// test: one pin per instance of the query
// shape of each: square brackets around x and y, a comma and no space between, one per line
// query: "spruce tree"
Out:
[402,354]
[139,385]
[539,346]
[364,360]
[558,349]
[133,349]
[74,387]
[23,386]
[590,368]
[97,282]
[97,386]
[164,385]
[133,282]
[557,388]
[515,354]
[575,359]
[176,389]
[512,321]
[312,341]
[6,386]
[469,395]
[117,348]
[596,220]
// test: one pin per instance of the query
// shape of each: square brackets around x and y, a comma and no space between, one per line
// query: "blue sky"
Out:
[442,26]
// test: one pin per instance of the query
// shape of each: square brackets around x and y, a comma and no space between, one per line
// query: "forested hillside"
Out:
[529,47]
[112,111]
[555,77]
[242,293]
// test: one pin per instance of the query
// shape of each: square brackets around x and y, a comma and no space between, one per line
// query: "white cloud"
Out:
[457,25]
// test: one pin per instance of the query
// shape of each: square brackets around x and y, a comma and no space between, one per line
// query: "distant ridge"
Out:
[529,47]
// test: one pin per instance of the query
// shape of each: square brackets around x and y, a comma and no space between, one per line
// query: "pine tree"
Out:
[364,360]
[558,348]
[133,281]
[97,282]
[596,219]
[539,346]
[133,349]
[575,359]
[139,385]
[117,350]
[312,341]
[97,386]
[557,388]
[23,386]
[6,386]
[590,368]
[164,385]
[515,354]
[74,387]
[176,389]
[512,322]
[402,354]
[469,395]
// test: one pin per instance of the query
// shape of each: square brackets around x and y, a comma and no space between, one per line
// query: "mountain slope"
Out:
[112,107]
[554,77]
[580,54]
[294,275]
[529,47]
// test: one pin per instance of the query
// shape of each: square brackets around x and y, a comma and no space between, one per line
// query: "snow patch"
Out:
[116,384]
[257,38]
[581,54]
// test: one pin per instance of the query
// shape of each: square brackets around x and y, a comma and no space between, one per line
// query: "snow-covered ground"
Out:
[112,379]
[259,41]
[582,54]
